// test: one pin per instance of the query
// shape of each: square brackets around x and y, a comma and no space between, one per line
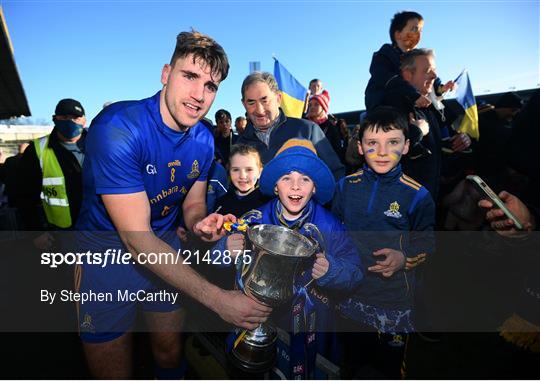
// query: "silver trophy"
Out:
[276,253]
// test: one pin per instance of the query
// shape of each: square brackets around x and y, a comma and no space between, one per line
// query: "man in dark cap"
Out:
[49,178]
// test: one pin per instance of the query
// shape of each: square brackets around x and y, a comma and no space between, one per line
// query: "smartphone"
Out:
[487,193]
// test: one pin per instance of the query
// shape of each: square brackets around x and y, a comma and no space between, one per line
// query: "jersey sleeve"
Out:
[115,158]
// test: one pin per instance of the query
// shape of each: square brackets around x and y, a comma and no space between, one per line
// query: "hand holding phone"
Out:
[487,193]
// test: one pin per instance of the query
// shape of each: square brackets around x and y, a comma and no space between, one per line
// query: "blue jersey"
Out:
[386,211]
[130,149]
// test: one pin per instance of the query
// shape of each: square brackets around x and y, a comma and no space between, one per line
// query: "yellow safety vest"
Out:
[53,188]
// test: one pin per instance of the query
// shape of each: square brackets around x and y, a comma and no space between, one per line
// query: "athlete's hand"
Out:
[394,261]
[210,228]
[242,311]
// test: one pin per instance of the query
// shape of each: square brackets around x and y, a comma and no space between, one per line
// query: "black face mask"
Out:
[68,128]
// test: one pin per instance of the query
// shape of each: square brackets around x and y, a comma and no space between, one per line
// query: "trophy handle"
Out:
[253,214]
[315,234]
[242,224]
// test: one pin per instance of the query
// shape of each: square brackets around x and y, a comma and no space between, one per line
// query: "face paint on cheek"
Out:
[412,39]
[371,153]
[395,155]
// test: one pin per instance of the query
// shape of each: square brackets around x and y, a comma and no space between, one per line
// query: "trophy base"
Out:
[250,367]
[256,352]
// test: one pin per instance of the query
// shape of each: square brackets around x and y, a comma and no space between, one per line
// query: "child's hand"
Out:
[235,244]
[394,261]
[182,233]
[320,267]
[422,102]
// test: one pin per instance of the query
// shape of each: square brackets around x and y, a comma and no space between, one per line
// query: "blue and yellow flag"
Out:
[465,97]
[293,94]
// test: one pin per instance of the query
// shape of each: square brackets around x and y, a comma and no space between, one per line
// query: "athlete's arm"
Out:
[194,205]
[130,214]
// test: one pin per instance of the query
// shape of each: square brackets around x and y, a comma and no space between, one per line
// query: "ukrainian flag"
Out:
[293,94]
[465,97]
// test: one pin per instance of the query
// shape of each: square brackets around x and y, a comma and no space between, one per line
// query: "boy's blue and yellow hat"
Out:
[301,156]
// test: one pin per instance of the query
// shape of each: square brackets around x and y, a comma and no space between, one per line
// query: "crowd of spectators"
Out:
[44,184]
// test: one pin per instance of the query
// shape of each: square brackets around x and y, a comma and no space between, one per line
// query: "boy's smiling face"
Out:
[294,191]
[383,150]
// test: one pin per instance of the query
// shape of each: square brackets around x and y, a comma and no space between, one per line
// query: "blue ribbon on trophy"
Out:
[303,334]
[303,340]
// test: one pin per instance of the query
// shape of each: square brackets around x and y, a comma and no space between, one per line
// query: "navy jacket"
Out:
[332,133]
[385,71]
[427,169]
[288,128]
[231,203]
[386,211]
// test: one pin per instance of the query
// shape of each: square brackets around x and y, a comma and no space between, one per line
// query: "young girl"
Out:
[303,183]
[245,166]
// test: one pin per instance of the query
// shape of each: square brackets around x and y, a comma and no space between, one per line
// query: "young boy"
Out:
[391,218]
[303,183]
[405,34]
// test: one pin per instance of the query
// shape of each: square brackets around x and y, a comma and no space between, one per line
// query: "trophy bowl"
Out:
[269,278]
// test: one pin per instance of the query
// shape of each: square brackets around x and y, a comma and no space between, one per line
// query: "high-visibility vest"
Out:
[53,187]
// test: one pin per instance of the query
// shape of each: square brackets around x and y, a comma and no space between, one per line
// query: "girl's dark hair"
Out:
[245,150]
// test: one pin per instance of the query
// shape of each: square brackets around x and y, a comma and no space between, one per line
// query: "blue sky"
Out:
[100,50]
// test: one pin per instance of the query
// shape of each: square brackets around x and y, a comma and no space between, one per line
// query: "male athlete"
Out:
[146,170]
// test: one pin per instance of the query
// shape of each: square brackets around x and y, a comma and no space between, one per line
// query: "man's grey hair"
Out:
[260,76]
[408,59]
